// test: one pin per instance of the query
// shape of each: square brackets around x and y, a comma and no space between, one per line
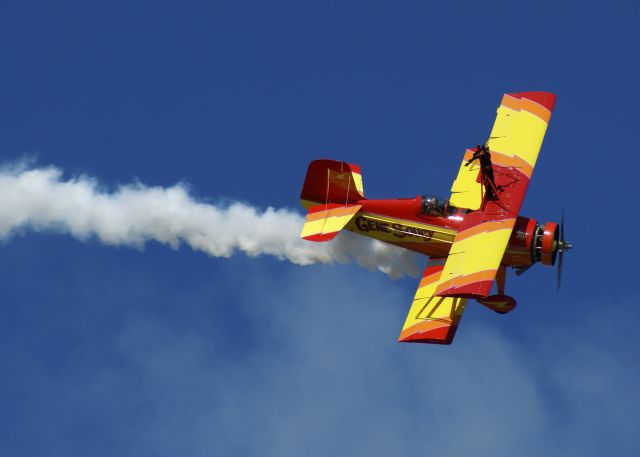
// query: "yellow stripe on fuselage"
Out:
[394,230]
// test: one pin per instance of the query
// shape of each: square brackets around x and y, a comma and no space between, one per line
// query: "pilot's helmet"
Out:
[431,205]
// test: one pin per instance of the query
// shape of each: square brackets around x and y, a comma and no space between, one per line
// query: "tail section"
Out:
[331,181]
[324,222]
[330,193]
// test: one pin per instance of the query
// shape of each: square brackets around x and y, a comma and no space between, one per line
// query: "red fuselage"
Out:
[404,222]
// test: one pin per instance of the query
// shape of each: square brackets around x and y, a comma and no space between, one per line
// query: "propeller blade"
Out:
[563,247]
[559,273]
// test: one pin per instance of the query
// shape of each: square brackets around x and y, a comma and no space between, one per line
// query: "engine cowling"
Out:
[531,243]
[547,242]
[520,250]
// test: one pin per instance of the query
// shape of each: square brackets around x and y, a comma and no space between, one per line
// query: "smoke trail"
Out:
[39,199]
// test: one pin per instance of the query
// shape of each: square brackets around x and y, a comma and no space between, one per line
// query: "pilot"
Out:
[431,205]
[486,168]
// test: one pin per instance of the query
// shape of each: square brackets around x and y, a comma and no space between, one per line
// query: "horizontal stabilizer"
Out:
[324,222]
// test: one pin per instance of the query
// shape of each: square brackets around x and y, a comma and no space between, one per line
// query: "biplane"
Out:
[470,238]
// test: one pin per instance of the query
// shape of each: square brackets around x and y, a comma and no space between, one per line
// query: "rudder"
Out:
[331,181]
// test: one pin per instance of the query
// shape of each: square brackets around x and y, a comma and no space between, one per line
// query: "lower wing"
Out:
[432,319]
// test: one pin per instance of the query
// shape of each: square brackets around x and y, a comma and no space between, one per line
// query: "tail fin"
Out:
[330,192]
[331,181]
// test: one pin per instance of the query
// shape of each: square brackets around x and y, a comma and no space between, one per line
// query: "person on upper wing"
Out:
[486,168]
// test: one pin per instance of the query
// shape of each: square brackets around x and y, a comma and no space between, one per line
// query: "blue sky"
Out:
[111,350]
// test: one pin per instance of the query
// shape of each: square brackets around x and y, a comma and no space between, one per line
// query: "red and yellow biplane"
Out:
[470,238]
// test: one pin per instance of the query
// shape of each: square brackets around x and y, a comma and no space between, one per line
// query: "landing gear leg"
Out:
[501,276]
[499,303]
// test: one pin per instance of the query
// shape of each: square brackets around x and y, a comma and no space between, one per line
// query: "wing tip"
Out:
[546,99]
[432,332]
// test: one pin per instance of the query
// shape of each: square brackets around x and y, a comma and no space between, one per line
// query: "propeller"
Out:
[562,247]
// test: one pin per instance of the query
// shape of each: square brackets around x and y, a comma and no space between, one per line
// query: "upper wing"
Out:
[515,142]
[432,319]
[466,191]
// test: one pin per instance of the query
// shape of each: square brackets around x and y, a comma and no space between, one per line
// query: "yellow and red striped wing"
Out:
[432,319]
[515,141]
[479,246]
[475,257]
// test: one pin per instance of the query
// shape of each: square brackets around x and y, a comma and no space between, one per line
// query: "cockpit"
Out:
[436,206]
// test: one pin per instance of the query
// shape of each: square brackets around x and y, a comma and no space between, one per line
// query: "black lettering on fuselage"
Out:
[361,223]
[398,230]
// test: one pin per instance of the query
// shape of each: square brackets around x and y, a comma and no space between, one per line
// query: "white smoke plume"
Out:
[41,199]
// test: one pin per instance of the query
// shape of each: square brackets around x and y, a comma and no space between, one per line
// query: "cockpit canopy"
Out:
[436,206]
